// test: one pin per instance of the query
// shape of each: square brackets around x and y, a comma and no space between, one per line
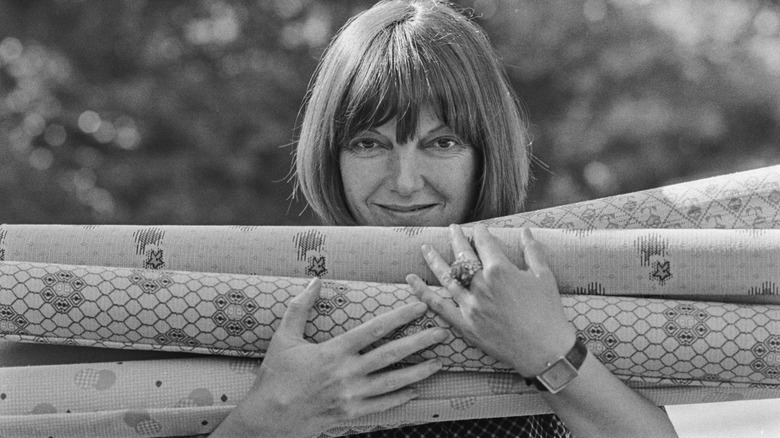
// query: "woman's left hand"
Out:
[514,315]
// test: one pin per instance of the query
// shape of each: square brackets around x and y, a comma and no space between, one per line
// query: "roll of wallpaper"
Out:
[709,351]
[234,314]
[743,200]
[601,262]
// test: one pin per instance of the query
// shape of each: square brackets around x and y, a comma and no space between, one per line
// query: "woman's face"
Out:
[428,181]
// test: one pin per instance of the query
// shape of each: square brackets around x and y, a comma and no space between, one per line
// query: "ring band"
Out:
[464,269]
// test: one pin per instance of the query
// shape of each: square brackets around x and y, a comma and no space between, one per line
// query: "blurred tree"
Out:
[627,95]
[130,111]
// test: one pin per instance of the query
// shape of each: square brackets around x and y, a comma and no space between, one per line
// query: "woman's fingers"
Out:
[488,247]
[444,308]
[380,404]
[392,352]
[534,254]
[294,319]
[441,269]
[391,381]
[379,326]
[460,244]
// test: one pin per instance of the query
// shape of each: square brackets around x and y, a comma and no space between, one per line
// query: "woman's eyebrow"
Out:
[367,131]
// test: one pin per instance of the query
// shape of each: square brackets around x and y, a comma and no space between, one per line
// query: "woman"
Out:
[410,122]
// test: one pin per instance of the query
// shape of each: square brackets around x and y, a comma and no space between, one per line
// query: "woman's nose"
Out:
[407,172]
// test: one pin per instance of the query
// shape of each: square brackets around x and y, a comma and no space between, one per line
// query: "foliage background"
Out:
[169,112]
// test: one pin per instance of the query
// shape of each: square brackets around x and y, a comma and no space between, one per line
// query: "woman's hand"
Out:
[304,388]
[514,315]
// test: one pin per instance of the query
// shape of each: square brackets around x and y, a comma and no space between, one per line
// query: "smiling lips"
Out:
[406,208]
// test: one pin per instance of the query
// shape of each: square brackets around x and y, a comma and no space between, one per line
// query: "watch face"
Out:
[558,375]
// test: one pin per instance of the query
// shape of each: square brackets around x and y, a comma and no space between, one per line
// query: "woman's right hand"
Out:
[303,388]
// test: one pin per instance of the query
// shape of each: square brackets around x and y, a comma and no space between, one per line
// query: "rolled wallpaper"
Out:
[601,262]
[222,290]
[233,314]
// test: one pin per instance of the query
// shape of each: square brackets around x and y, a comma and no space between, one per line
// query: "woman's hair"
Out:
[389,62]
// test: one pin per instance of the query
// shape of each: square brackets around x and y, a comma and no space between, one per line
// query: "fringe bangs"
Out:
[401,72]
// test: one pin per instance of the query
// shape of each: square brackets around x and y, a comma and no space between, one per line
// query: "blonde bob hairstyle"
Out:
[387,63]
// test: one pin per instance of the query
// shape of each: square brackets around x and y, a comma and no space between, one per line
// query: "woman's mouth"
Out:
[415,208]
[418,215]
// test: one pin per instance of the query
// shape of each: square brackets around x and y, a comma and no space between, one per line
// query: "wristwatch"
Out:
[561,372]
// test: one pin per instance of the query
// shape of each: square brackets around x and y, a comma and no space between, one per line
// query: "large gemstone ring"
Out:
[464,269]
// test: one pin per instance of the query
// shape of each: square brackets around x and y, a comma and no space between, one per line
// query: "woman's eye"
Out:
[366,144]
[446,143]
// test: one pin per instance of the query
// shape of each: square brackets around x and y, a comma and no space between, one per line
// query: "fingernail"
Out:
[441,334]
[435,364]
[525,234]
[426,250]
[414,281]
[413,394]
[420,307]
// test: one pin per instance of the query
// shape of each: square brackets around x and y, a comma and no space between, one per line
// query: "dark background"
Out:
[173,112]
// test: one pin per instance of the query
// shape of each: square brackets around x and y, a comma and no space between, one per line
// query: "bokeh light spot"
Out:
[127,135]
[34,124]
[106,133]
[17,101]
[767,50]
[128,138]
[101,201]
[199,32]
[10,49]
[222,27]
[226,29]
[84,179]
[89,122]
[312,32]
[41,159]
[55,135]
[88,157]
[20,141]
[600,177]
[288,8]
